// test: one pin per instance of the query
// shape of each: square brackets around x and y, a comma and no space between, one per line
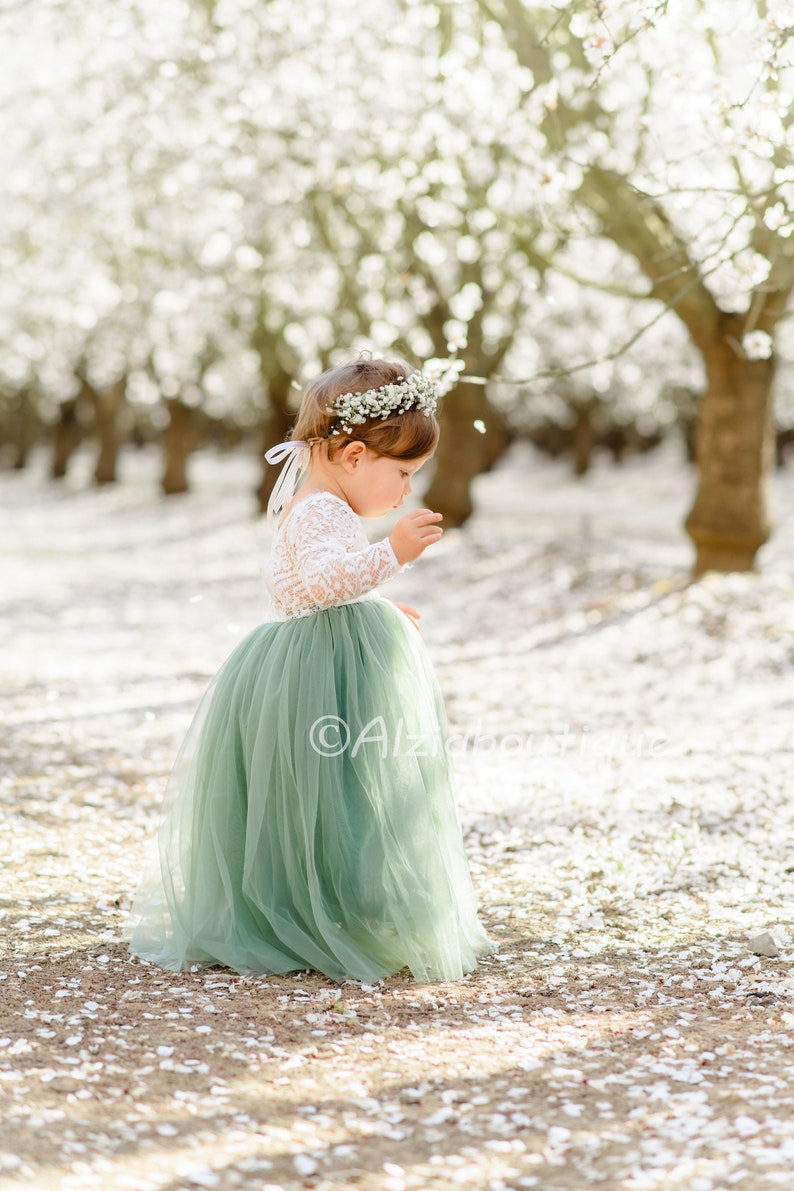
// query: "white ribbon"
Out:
[298,453]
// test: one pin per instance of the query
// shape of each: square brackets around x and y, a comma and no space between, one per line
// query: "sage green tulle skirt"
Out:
[309,822]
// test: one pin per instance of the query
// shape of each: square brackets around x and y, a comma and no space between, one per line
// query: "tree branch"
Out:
[639,225]
[557,373]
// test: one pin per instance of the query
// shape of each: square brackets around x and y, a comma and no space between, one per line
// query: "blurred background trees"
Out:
[203,203]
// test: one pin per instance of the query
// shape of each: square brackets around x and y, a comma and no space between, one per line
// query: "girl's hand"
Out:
[411,613]
[413,533]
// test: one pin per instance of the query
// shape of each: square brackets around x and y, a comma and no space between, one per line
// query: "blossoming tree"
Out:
[685,162]
[207,202]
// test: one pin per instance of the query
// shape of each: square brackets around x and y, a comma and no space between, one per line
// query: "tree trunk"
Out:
[107,410]
[67,438]
[25,427]
[729,521]
[784,439]
[179,442]
[275,427]
[583,440]
[464,451]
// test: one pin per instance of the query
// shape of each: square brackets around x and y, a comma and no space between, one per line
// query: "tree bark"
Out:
[107,410]
[179,442]
[729,521]
[583,440]
[67,438]
[463,451]
[25,428]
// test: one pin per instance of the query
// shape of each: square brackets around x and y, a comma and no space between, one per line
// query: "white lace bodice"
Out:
[320,558]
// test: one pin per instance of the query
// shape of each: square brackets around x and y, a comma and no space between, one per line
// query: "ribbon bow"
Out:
[283,449]
[298,454]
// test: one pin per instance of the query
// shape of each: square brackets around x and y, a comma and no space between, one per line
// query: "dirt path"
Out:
[623,743]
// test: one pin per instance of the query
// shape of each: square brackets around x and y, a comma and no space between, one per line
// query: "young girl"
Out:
[309,822]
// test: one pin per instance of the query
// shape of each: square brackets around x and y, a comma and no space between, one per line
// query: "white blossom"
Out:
[757,345]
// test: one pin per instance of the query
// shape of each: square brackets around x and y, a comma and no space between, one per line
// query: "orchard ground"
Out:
[623,742]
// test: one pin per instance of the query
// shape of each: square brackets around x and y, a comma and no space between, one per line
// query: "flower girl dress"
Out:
[309,822]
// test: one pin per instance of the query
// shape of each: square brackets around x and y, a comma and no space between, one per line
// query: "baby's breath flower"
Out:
[354,409]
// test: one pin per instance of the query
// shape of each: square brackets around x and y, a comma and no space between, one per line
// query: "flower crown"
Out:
[416,391]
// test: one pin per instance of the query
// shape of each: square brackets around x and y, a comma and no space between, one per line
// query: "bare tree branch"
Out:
[639,225]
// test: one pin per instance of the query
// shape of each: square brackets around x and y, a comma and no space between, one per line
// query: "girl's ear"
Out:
[352,455]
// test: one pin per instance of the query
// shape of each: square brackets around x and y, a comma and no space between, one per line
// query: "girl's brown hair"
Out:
[409,435]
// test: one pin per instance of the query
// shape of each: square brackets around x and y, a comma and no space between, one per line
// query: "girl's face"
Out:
[374,484]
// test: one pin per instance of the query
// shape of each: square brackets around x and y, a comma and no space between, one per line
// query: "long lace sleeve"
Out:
[331,555]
